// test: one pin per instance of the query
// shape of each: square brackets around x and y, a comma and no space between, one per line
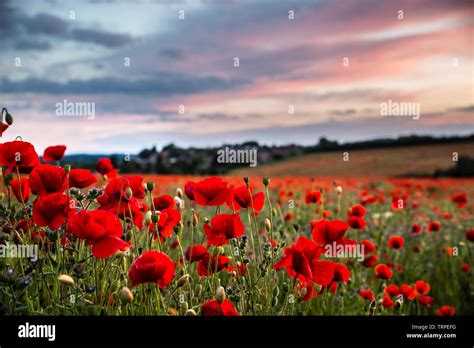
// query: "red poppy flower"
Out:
[101,229]
[312,197]
[341,274]
[446,311]
[81,178]
[369,247]
[357,210]
[3,128]
[356,222]
[51,210]
[465,267]
[18,153]
[422,287]
[301,262]
[54,153]
[426,301]
[189,189]
[152,267]
[105,167]
[214,308]
[415,229]
[408,291]
[460,199]
[382,271]
[370,261]
[168,219]
[163,202]
[327,232]
[241,198]
[434,226]
[46,179]
[212,191]
[21,189]
[396,242]
[392,290]
[470,235]
[222,228]
[366,295]
[196,253]
[387,302]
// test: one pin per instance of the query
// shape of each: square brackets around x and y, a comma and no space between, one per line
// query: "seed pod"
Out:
[155,218]
[266,181]
[268,225]
[66,280]
[220,294]
[182,281]
[127,295]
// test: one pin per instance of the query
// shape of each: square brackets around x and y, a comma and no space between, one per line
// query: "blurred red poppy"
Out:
[163,202]
[21,189]
[313,197]
[434,226]
[382,271]
[105,167]
[460,199]
[396,242]
[356,222]
[367,295]
[54,153]
[446,311]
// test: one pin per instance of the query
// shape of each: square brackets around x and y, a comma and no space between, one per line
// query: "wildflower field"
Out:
[103,243]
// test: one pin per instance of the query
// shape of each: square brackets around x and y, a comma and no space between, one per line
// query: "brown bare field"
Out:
[373,162]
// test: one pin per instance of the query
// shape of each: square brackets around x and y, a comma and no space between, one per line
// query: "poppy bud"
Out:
[339,190]
[127,295]
[66,280]
[128,192]
[268,225]
[67,168]
[195,219]
[155,218]
[179,192]
[182,281]
[399,302]
[191,313]
[303,292]
[372,307]
[150,186]
[9,119]
[148,217]
[266,181]
[220,294]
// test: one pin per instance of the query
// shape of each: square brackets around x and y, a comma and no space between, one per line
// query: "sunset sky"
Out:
[427,57]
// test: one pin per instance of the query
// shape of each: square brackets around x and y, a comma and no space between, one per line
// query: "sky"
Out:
[138,62]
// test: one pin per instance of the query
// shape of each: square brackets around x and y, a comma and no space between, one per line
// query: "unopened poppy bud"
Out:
[182,281]
[195,219]
[339,190]
[179,192]
[150,186]
[127,295]
[67,168]
[268,225]
[220,294]
[266,181]
[191,313]
[9,119]
[66,280]
[128,192]
[148,217]
[303,292]
[155,218]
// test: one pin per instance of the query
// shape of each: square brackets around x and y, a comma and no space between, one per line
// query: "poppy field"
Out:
[103,243]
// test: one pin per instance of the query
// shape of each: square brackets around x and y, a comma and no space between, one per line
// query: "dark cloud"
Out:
[164,84]
[102,38]
[172,53]
[27,44]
